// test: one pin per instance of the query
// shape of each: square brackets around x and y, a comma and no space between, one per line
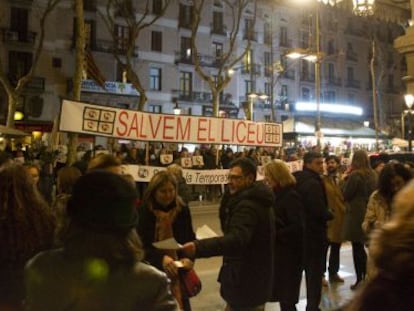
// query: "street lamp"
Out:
[409,101]
[252,97]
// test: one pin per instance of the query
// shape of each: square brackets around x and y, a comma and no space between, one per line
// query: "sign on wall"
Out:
[91,119]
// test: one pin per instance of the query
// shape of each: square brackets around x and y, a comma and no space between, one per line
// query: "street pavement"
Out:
[209,298]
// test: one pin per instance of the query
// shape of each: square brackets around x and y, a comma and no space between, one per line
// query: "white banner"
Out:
[143,173]
[136,125]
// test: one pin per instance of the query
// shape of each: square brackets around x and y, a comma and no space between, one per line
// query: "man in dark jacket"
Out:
[310,187]
[247,221]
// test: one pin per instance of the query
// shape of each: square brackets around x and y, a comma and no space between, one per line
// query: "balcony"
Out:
[351,55]
[356,84]
[220,30]
[10,35]
[307,77]
[285,43]
[21,2]
[35,84]
[254,69]
[289,74]
[249,35]
[333,81]
[182,57]
[108,46]
[198,97]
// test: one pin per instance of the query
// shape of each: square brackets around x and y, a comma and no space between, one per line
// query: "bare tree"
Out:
[229,57]
[14,91]
[136,18]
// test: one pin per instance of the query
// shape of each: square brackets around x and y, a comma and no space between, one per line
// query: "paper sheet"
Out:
[205,232]
[170,243]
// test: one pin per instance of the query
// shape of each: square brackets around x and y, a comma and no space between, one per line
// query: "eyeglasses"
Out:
[235,177]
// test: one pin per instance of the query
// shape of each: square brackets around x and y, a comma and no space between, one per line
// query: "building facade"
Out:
[163,60]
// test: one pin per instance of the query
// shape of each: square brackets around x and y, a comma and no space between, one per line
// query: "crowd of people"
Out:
[93,245]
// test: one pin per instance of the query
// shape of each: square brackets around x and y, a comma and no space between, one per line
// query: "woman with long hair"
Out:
[164,215]
[26,227]
[100,264]
[359,184]
[392,253]
[289,234]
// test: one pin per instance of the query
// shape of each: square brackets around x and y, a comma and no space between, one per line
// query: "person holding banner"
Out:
[162,216]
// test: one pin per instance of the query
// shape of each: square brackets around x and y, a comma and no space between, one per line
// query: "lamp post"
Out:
[252,97]
[409,101]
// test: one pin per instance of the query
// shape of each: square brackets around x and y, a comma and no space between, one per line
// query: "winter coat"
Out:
[336,204]
[55,281]
[378,212]
[182,230]
[288,262]
[247,246]
[357,189]
[312,191]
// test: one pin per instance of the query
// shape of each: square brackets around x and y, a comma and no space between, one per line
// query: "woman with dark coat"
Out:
[163,215]
[289,235]
[357,188]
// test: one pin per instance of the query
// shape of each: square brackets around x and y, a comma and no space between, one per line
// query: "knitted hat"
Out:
[103,200]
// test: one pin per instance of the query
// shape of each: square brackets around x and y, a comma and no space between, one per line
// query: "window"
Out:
[19,64]
[305,94]
[186,50]
[305,40]
[268,64]
[390,83]
[155,108]
[122,37]
[218,26]
[284,91]
[351,99]
[350,73]
[249,87]
[283,36]
[267,31]
[186,83]
[267,118]
[155,79]
[331,47]
[331,72]
[217,49]
[248,62]
[90,27]
[268,88]
[156,41]
[330,97]
[157,7]
[19,19]
[248,29]
[185,17]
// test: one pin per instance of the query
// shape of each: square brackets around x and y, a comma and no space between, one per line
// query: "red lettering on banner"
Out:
[123,123]
[142,126]
[201,129]
[223,138]
[238,132]
[183,132]
[210,130]
[250,133]
[168,127]
[154,134]
[260,130]
[133,126]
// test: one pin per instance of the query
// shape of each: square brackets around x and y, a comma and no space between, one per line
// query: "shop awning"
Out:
[330,127]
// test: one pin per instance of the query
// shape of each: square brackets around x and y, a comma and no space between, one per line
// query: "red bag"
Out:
[190,282]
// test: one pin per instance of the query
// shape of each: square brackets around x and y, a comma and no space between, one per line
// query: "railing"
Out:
[252,69]
[200,97]
[218,29]
[351,55]
[205,59]
[36,83]
[307,77]
[335,81]
[108,46]
[356,84]
[10,35]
